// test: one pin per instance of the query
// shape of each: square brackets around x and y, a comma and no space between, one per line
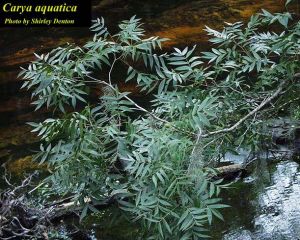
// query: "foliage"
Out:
[204,105]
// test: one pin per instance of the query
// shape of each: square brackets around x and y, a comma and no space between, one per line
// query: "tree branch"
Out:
[254,111]
[140,108]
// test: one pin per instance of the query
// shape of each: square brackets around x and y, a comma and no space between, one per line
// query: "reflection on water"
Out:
[275,211]
[279,204]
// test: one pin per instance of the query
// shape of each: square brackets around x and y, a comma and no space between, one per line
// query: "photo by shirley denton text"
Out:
[44,13]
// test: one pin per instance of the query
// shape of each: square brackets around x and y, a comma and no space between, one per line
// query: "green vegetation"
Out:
[159,164]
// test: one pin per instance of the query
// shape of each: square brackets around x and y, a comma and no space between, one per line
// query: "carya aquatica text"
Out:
[11,8]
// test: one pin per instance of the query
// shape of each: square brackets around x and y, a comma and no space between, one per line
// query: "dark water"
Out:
[265,205]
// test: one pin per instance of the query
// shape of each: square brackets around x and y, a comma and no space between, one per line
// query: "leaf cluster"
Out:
[159,164]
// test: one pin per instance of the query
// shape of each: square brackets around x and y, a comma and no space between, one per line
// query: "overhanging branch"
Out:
[253,112]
